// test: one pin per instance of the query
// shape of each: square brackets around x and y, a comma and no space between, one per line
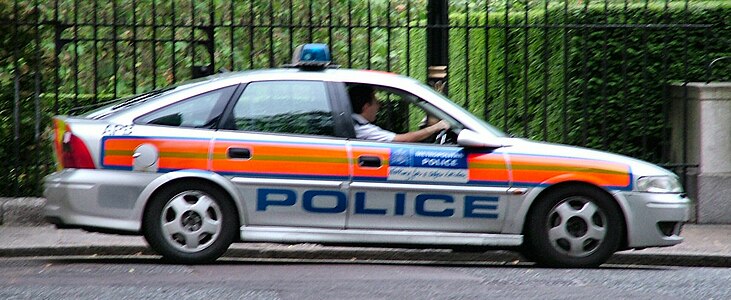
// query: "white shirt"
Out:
[366,131]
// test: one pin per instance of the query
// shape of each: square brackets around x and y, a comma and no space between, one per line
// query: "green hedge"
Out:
[24,154]
[596,86]
[144,57]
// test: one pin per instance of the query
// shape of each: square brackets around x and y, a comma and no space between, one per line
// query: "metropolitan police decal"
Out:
[428,164]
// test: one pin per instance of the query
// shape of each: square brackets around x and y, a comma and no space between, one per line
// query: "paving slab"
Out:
[22,212]
[705,239]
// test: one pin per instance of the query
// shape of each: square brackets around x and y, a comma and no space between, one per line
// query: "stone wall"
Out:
[700,116]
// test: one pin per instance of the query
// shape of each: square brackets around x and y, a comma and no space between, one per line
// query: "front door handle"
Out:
[369,161]
[241,153]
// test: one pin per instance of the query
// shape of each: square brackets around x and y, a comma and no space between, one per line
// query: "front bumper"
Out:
[654,220]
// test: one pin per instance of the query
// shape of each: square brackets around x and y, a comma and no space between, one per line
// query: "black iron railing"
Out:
[588,73]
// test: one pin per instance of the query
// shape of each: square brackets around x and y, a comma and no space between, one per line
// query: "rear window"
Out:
[118,105]
[105,109]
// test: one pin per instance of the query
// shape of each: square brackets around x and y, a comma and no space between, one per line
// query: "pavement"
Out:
[23,233]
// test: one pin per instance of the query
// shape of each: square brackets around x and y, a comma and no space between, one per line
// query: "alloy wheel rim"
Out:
[191,221]
[576,227]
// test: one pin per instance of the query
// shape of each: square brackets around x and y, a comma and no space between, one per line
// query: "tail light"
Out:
[71,151]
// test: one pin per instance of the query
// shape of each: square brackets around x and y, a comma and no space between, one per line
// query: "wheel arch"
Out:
[211,178]
[530,205]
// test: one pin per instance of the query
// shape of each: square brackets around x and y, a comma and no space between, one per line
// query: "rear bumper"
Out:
[81,198]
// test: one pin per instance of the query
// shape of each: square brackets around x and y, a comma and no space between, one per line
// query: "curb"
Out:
[75,251]
[367,255]
[22,211]
[678,260]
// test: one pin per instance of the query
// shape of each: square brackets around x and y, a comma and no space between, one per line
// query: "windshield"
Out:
[492,129]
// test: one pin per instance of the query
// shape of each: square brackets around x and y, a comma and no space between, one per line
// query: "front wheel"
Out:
[574,227]
[190,223]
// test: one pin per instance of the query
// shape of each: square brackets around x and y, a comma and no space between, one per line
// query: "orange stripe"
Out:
[288,149]
[487,160]
[314,168]
[124,144]
[162,145]
[118,160]
[541,176]
[164,162]
[489,175]
[301,151]
[567,162]
[485,157]
[193,146]
[600,181]
[183,163]
[382,153]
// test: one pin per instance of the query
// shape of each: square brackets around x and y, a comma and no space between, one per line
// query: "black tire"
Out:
[190,222]
[573,227]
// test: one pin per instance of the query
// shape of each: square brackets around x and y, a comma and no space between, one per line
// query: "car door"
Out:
[424,186]
[277,146]
[172,137]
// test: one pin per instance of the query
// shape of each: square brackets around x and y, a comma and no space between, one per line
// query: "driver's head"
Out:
[360,95]
[363,101]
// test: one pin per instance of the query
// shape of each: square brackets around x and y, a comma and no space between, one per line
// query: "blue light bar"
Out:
[311,56]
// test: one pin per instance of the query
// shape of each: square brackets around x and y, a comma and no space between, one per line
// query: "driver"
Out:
[365,109]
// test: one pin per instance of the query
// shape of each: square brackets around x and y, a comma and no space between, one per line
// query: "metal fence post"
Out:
[209,43]
[437,44]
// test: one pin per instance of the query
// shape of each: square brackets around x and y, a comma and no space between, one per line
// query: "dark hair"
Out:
[359,96]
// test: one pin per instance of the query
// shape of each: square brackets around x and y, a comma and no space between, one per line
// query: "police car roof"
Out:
[338,75]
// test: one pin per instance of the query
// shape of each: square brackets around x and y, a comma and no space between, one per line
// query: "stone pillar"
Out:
[700,116]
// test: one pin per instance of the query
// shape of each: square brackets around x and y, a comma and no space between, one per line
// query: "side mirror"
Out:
[469,138]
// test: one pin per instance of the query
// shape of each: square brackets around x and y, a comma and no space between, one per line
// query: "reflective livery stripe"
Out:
[525,170]
[481,168]
[60,128]
[488,169]
[173,153]
[330,161]
[278,158]
[531,170]
[370,173]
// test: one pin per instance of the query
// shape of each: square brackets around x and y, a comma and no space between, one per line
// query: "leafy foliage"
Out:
[22,148]
[588,73]
[314,122]
[593,75]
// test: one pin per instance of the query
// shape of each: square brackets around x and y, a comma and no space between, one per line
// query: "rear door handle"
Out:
[369,161]
[241,153]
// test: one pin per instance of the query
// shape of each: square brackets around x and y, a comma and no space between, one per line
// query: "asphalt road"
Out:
[146,277]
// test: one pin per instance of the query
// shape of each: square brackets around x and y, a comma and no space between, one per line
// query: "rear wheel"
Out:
[190,223]
[574,226]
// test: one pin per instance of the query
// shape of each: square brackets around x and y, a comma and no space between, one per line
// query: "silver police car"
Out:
[272,156]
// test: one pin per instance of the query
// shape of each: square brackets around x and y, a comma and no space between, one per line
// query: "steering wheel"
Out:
[441,137]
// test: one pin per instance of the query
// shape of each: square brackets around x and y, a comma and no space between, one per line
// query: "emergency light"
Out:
[311,57]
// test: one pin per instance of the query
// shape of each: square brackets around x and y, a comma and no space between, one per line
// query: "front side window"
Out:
[400,112]
[201,111]
[298,107]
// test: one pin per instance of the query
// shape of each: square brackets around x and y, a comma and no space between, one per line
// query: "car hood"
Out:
[516,146]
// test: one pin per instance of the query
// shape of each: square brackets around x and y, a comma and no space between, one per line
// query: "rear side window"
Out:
[298,107]
[200,111]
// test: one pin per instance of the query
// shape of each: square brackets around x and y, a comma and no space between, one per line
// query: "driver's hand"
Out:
[441,125]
